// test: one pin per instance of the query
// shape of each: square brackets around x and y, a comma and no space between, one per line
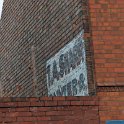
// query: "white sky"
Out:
[1,4]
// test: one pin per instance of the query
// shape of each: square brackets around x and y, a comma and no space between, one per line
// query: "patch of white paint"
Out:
[1,6]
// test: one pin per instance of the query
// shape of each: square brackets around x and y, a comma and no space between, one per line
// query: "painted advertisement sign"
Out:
[67,72]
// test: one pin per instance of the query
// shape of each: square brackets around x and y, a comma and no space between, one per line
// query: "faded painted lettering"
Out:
[66,71]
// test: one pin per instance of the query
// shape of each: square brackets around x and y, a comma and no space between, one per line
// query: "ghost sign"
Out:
[67,71]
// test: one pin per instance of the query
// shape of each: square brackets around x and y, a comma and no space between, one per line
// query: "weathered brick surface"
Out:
[31,33]
[107,34]
[72,110]
[111,106]
[19,35]
[32,111]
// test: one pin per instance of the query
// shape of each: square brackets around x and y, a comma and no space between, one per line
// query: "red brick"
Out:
[57,113]
[27,123]
[62,103]
[38,114]
[35,104]
[43,118]
[50,103]
[46,98]
[77,103]
[26,119]
[8,119]
[22,109]
[23,104]
[33,99]
[59,98]
[72,98]
[44,109]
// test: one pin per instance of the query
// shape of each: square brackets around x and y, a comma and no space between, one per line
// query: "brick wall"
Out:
[111,106]
[49,110]
[31,33]
[107,35]
[63,110]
